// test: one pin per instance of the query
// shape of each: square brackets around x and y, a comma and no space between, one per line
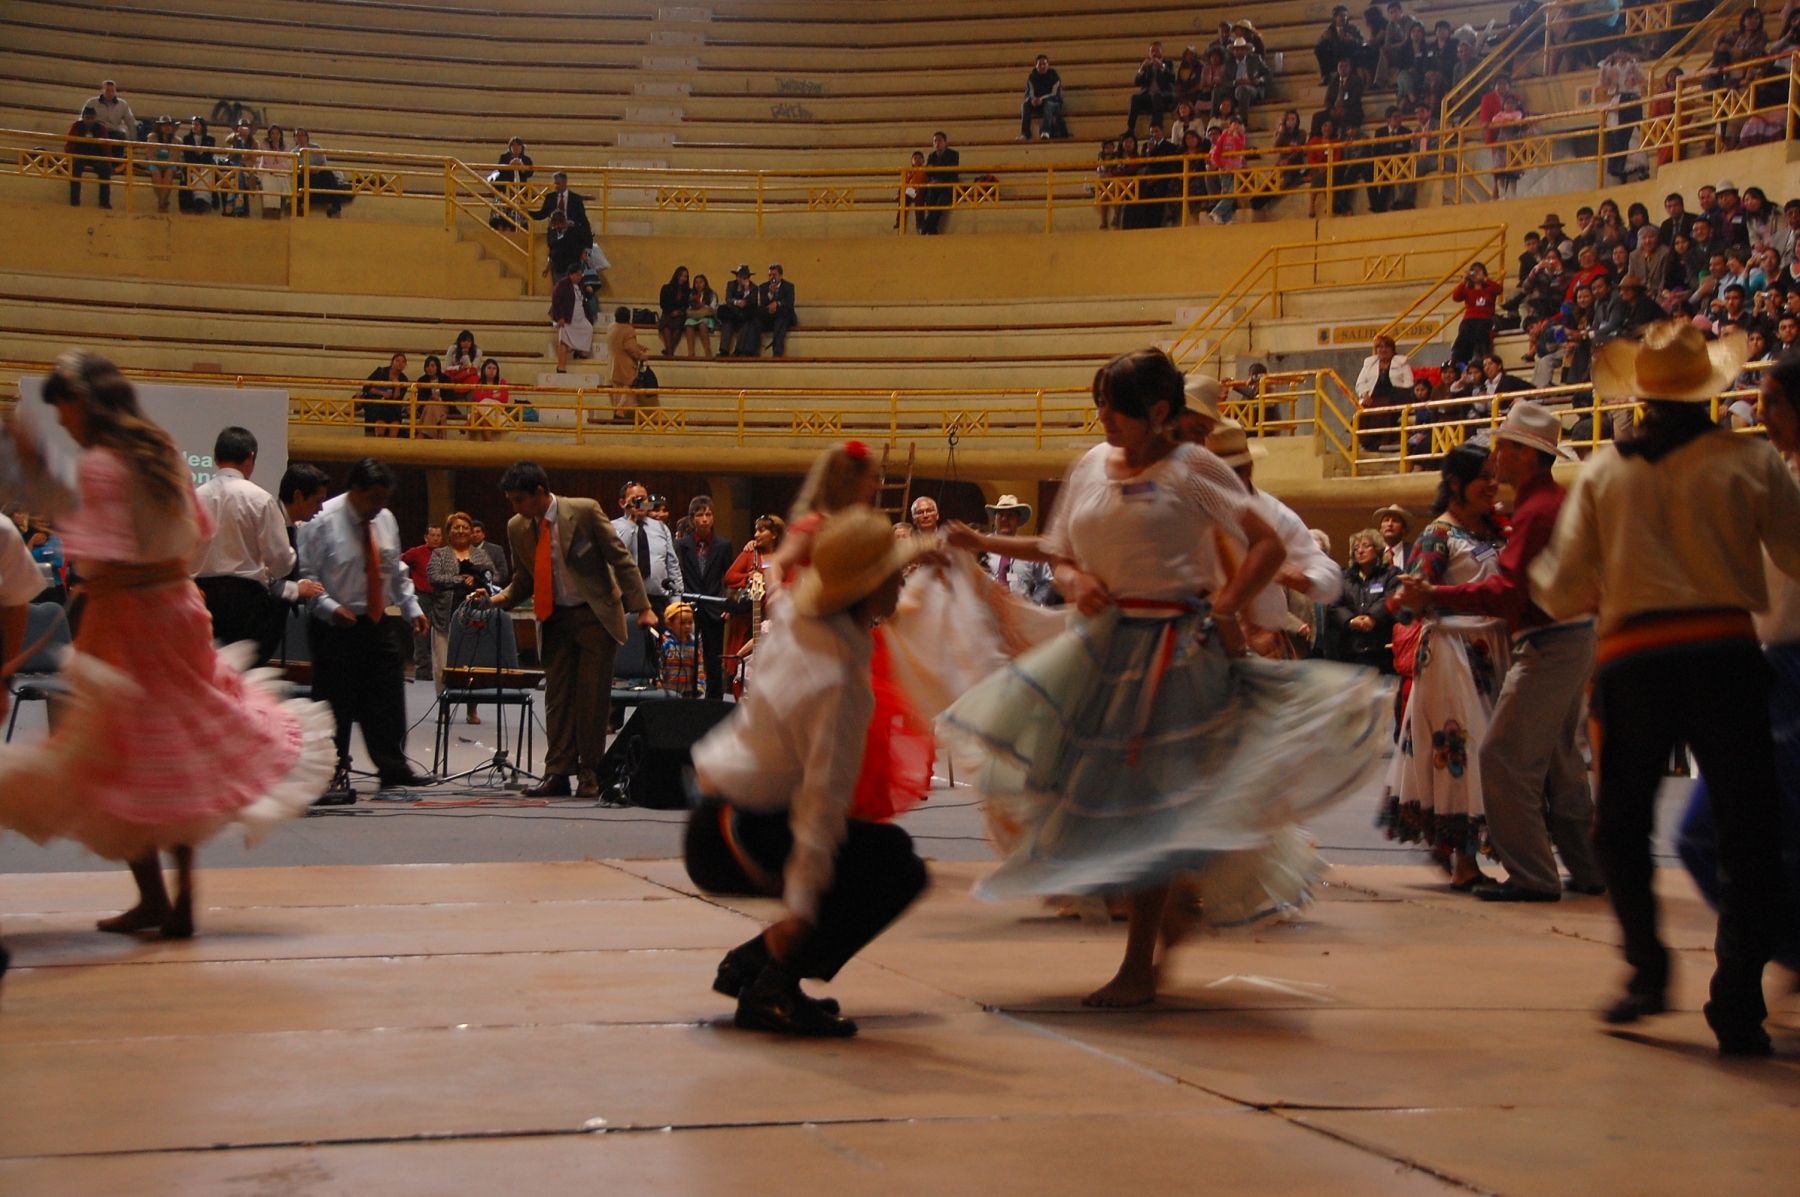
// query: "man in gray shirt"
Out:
[112,110]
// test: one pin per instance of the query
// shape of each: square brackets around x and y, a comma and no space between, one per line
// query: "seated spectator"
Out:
[384,406]
[1321,156]
[1382,386]
[1246,81]
[1222,43]
[1408,62]
[703,306]
[940,168]
[1396,39]
[159,149]
[1155,83]
[561,199]
[1474,402]
[1182,121]
[1043,99]
[463,359]
[487,403]
[1440,59]
[324,186]
[1190,76]
[275,173]
[775,311]
[89,153]
[1361,614]
[674,302]
[1636,308]
[1496,381]
[1587,269]
[199,155]
[628,355]
[1547,287]
[435,397]
[1650,261]
[574,331]
[1342,41]
[738,335]
[1213,73]
[1393,139]
[1637,219]
[1787,339]
[1244,29]
[1345,91]
[1578,332]
[1544,352]
[115,115]
[1196,153]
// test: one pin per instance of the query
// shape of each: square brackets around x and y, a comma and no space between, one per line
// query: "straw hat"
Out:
[1394,509]
[1011,503]
[854,553]
[1673,361]
[1232,445]
[1533,424]
[1202,391]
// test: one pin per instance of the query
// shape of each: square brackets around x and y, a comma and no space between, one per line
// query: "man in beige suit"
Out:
[581,582]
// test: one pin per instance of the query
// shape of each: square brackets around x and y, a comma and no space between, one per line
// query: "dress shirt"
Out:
[795,742]
[249,537]
[1324,577]
[20,578]
[1030,580]
[563,593]
[664,564]
[333,553]
[1685,533]
[1398,555]
[1507,594]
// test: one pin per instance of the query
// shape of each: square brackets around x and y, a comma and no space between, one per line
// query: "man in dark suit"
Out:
[937,197]
[1159,146]
[738,326]
[561,199]
[704,560]
[573,569]
[775,312]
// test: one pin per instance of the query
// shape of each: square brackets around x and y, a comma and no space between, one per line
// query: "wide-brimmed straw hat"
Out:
[1533,424]
[853,554]
[1232,445]
[1011,503]
[1673,361]
[1202,392]
[1394,509]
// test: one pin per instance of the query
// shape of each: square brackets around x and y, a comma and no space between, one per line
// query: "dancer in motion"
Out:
[165,741]
[1664,535]
[1135,747]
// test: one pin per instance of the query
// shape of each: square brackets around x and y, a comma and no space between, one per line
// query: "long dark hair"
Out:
[1667,425]
[1462,465]
[1133,382]
[116,422]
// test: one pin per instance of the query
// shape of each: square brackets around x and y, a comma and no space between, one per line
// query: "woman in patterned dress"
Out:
[1434,781]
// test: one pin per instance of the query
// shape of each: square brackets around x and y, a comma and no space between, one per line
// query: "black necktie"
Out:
[643,553]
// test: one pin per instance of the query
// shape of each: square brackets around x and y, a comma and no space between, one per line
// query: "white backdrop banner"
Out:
[193,416]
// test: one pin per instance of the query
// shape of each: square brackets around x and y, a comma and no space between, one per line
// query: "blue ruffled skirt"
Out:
[1098,791]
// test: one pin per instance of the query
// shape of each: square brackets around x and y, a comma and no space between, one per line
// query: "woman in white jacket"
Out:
[1384,383]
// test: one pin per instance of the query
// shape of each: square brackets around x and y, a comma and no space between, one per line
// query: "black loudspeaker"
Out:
[644,766]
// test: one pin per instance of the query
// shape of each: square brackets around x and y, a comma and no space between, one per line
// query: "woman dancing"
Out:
[166,741]
[1434,782]
[1134,747]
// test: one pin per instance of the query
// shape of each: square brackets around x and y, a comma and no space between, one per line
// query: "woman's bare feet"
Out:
[1133,986]
[179,922]
[145,916]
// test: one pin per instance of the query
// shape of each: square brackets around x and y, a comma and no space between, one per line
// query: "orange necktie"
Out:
[543,579]
[374,607]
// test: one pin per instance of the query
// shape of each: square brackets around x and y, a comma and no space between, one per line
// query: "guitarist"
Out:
[740,580]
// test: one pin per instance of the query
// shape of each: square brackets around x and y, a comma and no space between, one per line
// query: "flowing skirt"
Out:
[1113,787]
[164,740]
[1434,780]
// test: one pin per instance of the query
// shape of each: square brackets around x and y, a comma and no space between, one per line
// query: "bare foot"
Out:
[179,923]
[1124,990]
[142,917]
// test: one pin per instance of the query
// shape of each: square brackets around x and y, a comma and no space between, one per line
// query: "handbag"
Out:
[1406,647]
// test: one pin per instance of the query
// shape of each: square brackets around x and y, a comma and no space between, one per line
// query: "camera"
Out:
[640,502]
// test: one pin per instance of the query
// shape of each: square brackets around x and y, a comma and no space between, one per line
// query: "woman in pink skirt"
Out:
[166,740]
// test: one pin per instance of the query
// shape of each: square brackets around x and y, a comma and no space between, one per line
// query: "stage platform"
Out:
[546,1028]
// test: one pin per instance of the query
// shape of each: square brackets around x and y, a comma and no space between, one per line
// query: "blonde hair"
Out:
[832,482]
[464,516]
[1372,537]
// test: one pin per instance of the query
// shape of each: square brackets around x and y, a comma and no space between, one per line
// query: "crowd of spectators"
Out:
[742,314]
[460,389]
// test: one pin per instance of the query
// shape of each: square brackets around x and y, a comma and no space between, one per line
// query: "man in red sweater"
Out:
[417,559]
[1475,335]
[1534,783]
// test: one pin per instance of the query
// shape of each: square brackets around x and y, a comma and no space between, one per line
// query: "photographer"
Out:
[1155,81]
[650,544]
[1477,293]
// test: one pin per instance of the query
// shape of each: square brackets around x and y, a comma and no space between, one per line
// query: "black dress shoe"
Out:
[773,1002]
[404,780]
[1634,1006]
[1506,891]
[589,788]
[550,787]
[1586,891]
[1738,1038]
[744,963]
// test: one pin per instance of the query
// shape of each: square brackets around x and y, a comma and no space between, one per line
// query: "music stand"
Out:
[482,646]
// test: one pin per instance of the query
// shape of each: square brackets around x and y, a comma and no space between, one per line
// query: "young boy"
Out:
[680,652]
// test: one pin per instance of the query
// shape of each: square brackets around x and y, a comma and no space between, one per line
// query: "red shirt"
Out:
[418,559]
[1507,594]
[1477,300]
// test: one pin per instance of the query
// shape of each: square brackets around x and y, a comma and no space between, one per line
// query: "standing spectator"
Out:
[515,171]
[1502,120]
[1382,386]
[627,354]
[384,406]
[1109,153]
[912,187]
[1155,83]
[674,303]
[246,551]
[561,199]
[1477,293]
[1621,89]
[1043,99]
[1228,158]
[478,536]
[574,332]
[941,164]
[1030,580]
[704,559]
[244,157]
[1342,41]
[1393,523]
[679,653]
[649,544]
[89,154]
[1247,77]
[565,246]
[1361,613]
[1393,140]
[428,660]
[200,159]
[702,312]
[1159,147]
[738,335]
[775,313]
[457,569]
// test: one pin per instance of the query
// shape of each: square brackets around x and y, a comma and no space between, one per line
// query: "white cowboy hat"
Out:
[1202,391]
[1233,447]
[1533,424]
[1011,503]
[1673,361]
[853,554]
[1394,509]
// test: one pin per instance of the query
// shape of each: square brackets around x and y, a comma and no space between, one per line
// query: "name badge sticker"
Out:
[1139,492]
[1378,588]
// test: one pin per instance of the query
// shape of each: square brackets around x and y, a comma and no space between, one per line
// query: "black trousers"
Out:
[877,876]
[734,329]
[243,610]
[1474,337]
[100,170]
[712,647]
[937,200]
[1143,102]
[776,325]
[1713,696]
[357,670]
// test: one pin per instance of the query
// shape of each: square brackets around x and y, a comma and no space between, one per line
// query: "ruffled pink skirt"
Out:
[163,739]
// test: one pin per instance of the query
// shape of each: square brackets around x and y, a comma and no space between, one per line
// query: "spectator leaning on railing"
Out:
[88,152]
[941,166]
[1043,99]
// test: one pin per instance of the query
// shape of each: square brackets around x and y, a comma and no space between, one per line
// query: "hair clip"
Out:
[857,450]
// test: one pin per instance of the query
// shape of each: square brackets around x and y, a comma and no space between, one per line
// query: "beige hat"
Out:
[1394,509]
[1533,424]
[1011,503]
[1673,361]
[853,554]
[1229,441]
[1202,391]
